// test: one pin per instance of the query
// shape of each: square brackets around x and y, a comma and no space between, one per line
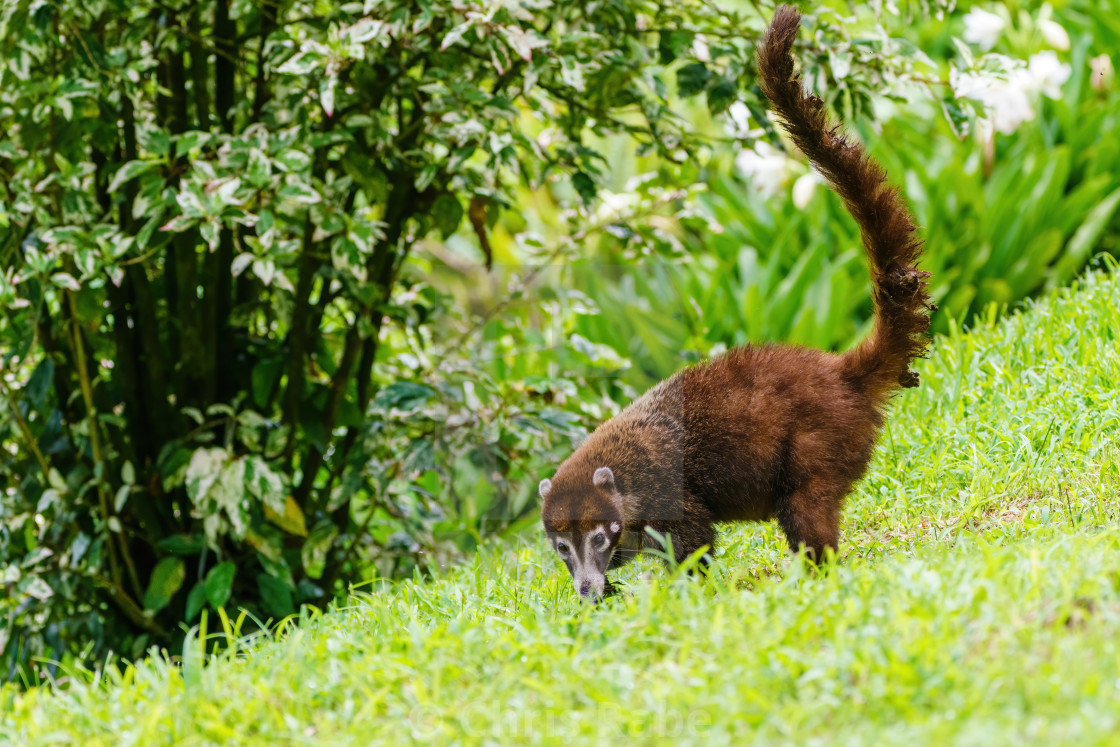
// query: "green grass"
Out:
[976,601]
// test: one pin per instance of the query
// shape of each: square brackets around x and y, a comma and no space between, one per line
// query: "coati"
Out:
[763,431]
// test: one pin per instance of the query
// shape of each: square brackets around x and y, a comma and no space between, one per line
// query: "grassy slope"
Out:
[977,601]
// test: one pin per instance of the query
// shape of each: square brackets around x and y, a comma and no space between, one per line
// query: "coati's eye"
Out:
[598,541]
[562,548]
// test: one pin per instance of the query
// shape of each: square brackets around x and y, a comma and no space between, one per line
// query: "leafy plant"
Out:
[219,386]
[1005,216]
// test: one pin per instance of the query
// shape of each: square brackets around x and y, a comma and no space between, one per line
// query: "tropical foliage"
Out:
[219,387]
[1008,208]
[299,293]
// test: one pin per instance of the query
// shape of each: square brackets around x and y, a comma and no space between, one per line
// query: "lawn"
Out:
[976,601]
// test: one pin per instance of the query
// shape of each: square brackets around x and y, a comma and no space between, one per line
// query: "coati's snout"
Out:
[587,552]
[585,539]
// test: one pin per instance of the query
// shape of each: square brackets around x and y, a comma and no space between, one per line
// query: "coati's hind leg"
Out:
[810,517]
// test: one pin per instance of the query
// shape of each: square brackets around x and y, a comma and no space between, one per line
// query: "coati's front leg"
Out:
[630,546]
[688,533]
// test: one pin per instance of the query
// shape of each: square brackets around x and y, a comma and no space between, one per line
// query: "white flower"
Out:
[804,188]
[1006,100]
[982,28]
[1009,105]
[740,117]
[968,85]
[765,167]
[1054,34]
[1047,73]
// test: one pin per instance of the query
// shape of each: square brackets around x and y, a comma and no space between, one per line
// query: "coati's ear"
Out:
[603,478]
[544,488]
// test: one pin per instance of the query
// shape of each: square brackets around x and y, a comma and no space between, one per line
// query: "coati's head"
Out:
[584,522]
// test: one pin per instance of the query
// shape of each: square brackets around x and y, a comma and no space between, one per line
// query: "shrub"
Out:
[216,389]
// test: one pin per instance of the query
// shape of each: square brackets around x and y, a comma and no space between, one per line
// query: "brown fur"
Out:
[766,431]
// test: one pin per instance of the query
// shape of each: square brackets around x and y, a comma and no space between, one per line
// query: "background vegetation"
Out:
[295,294]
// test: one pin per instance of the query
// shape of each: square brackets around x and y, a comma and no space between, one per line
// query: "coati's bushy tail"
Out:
[902,305]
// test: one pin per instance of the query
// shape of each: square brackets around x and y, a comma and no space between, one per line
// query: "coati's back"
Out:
[734,430]
[767,431]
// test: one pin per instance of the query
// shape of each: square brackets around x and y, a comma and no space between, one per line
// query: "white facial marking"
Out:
[615,527]
[584,570]
[589,549]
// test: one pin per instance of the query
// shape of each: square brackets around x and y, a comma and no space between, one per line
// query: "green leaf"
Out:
[302,63]
[121,498]
[585,186]
[672,44]
[299,192]
[54,477]
[219,583]
[263,377]
[265,483]
[144,236]
[404,395]
[155,141]
[721,95]
[166,579]
[178,224]
[37,386]
[293,160]
[1086,237]
[455,34]
[210,234]
[240,262]
[291,521]
[692,79]
[965,52]
[840,60]
[181,544]
[65,107]
[34,586]
[195,599]
[130,170]
[190,141]
[522,43]
[326,93]
[276,596]
[956,115]
[426,175]
[447,212]
[316,547]
[65,280]
[259,169]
